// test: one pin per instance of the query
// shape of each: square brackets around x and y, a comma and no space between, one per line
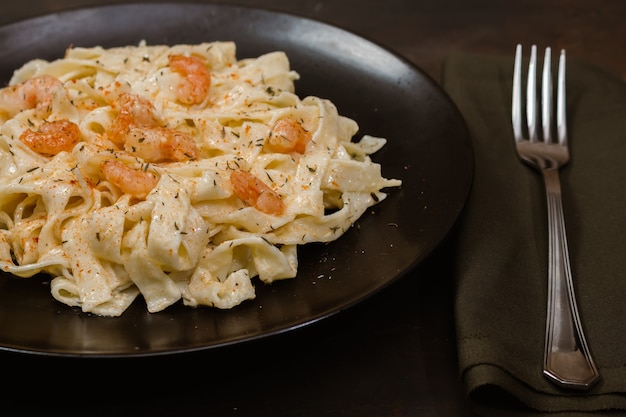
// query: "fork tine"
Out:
[561,119]
[531,95]
[516,112]
[546,97]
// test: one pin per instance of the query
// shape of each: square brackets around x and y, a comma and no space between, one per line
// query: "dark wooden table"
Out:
[391,356]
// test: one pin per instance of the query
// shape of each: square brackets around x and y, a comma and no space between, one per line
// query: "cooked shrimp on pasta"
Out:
[172,174]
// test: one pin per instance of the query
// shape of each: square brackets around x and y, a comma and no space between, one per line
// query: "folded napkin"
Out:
[502,249]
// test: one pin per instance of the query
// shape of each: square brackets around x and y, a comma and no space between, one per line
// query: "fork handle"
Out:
[567,360]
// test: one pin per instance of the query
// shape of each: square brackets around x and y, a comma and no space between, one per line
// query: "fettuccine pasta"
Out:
[172,173]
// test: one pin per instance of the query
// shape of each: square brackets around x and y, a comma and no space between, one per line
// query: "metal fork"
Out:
[567,360]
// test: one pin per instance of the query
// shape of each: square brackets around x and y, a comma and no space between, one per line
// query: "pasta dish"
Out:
[172,173]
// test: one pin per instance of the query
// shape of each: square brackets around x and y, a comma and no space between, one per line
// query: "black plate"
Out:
[428,149]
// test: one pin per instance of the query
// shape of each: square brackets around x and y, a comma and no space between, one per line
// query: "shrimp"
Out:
[160,144]
[138,129]
[256,193]
[134,111]
[52,137]
[34,93]
[196,78]
[131,181]
[288,135]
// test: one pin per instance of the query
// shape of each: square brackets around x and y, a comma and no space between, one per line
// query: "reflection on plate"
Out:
[428,149]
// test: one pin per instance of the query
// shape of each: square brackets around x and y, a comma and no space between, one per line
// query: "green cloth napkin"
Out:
[502,241]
